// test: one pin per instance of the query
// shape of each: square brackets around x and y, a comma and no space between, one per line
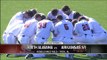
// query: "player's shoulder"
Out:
[73,11]
[46,20]
[19,13]
[65,21]
[31,21]
[49,13]
[83,21]
[42,21]
[58,23]
[79,22]
[92,20]
[68,22]
[60,11]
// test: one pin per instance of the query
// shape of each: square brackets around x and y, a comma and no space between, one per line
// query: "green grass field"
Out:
[95,9]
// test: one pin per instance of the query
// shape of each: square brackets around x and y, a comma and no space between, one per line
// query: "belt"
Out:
[105,32]
[7,33]
[43,38]
[11,34]
[70,38]
[87,34]
[23,35]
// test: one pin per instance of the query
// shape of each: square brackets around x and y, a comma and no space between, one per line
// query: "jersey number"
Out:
[66,27]
[85,27]
[42,25]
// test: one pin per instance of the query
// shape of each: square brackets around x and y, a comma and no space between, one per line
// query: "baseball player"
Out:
[53,14]
[99,34]
[44,28]
[14,26]
[27,32]
[32,31]
[82,31]
[64,32]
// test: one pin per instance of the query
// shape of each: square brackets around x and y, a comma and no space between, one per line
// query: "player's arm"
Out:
[91,27]
[55,31]
[52,28]
[73,29]
[63,14]
[75,32]
[49,16]
[17,16]
[74,21]
[34,27]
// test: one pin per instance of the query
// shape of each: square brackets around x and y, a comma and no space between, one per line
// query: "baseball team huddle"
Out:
[63,25]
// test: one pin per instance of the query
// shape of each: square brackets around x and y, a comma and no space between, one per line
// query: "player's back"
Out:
[17,16]
[15,20]
[64,28]
[95,26]
[29,28]
[82,27]
[44,28]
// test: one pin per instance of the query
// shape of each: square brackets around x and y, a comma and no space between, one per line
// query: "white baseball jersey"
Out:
[99,33]
[82,27]
[15,20]
[29,28]
[10,37]
[27,32]
[84,34]
[44,27]
[64,28]
[14,27]
[18,16]
[64,32]
[95,26]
